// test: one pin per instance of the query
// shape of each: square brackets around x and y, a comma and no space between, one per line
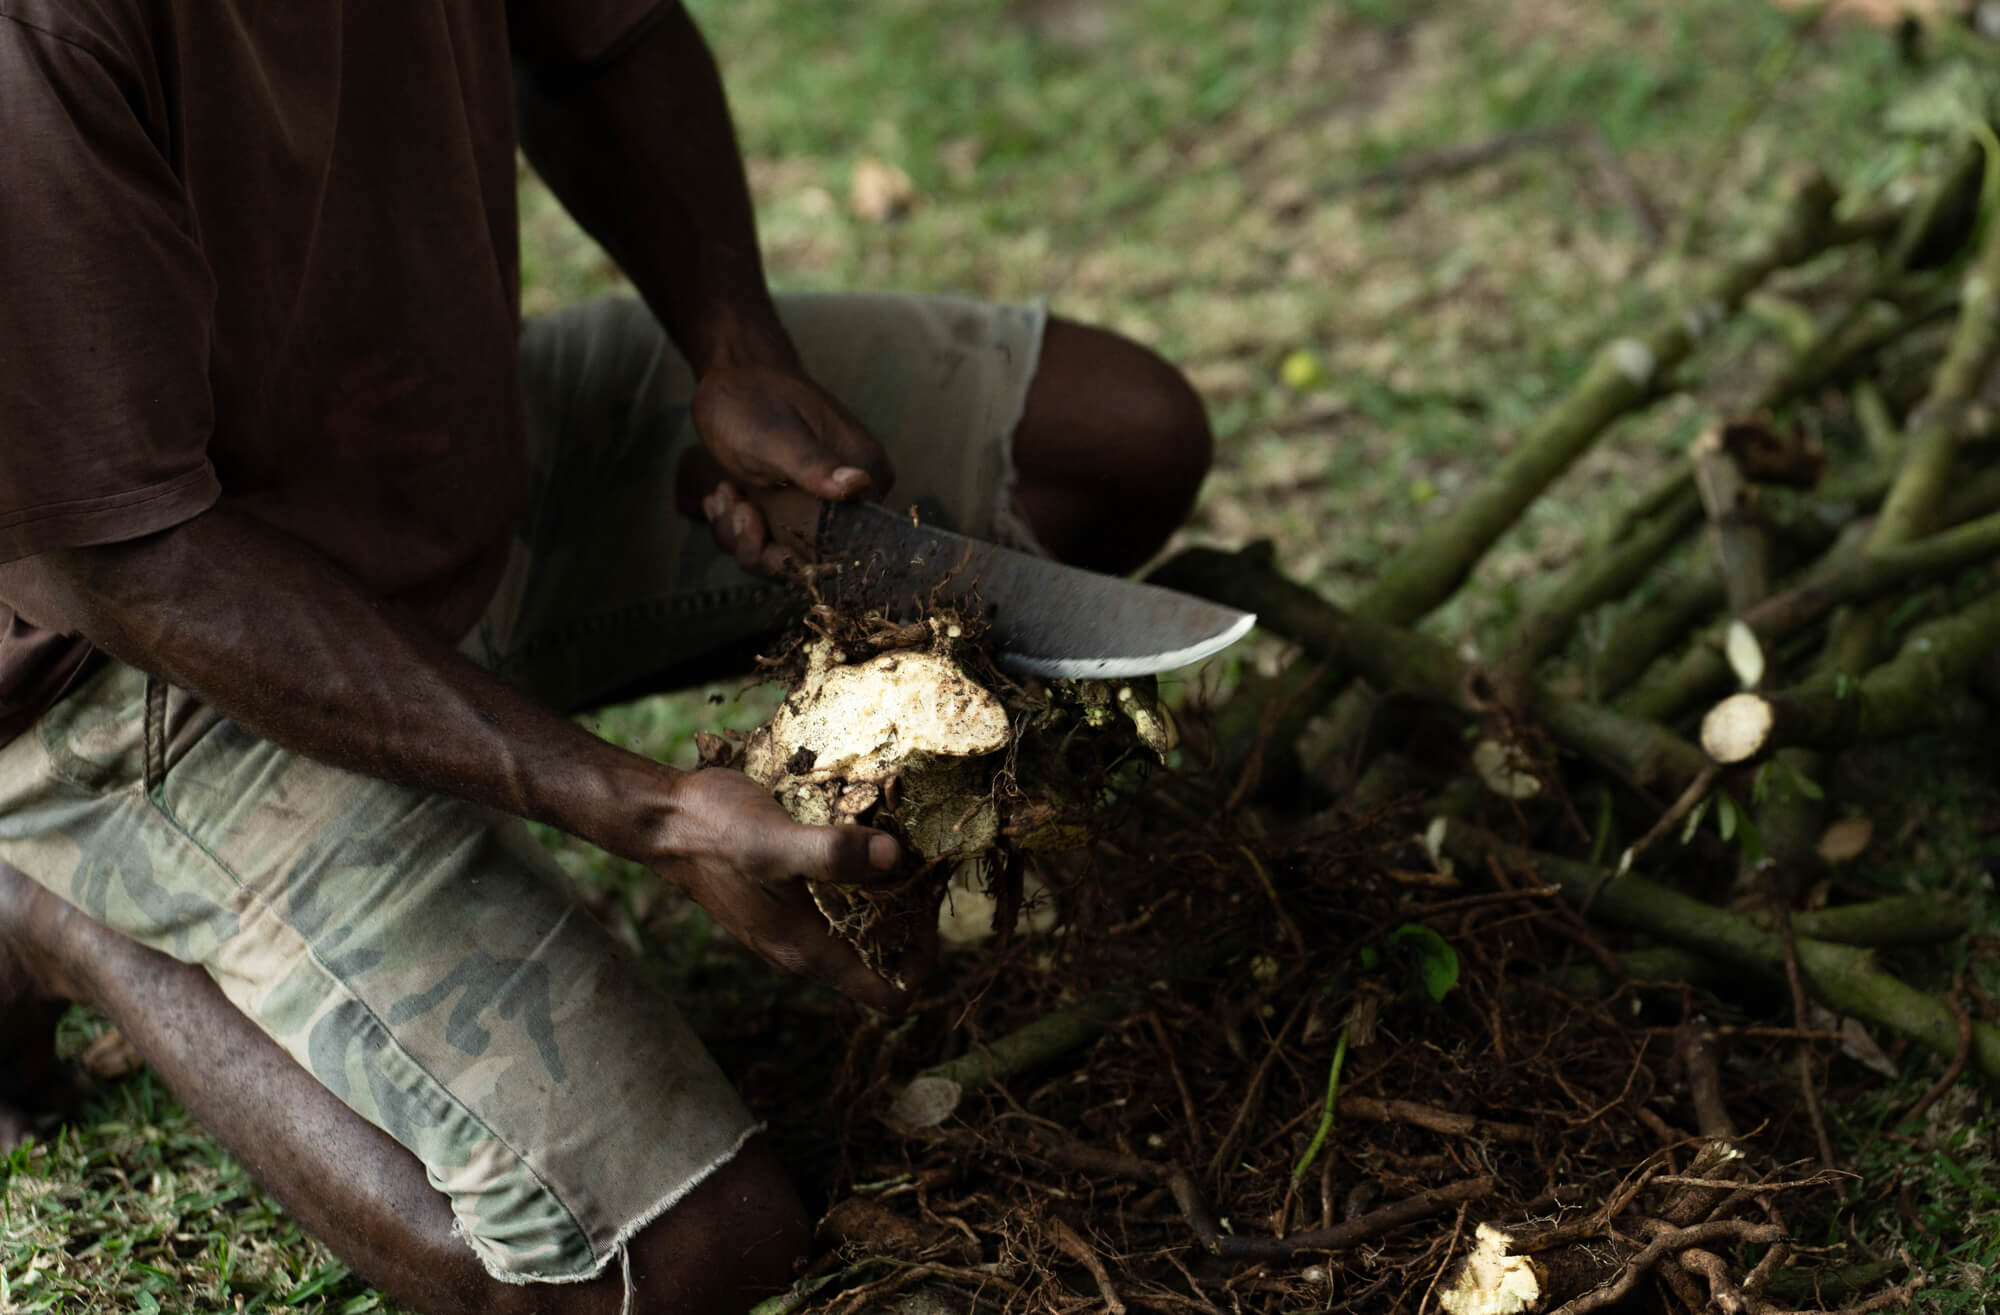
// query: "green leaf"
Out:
[1695,815]
[321,1279]
[1726,816]
[1907,611]
[1600,839]
[1751,844]
[1435,958]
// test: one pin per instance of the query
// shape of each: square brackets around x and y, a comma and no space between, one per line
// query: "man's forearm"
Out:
[269,633]
[642,152]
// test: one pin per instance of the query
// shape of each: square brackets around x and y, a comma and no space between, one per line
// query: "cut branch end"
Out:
[1738,728]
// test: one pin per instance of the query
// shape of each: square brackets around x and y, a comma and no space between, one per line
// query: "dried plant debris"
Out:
[1505,1144]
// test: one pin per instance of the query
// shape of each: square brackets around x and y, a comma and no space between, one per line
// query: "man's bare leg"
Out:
[33,1085]
[1112,447]
[730,1241]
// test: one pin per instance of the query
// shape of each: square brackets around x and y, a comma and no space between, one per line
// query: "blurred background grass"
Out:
[1203,175]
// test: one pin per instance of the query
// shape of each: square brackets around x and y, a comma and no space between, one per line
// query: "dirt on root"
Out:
[1493,1069]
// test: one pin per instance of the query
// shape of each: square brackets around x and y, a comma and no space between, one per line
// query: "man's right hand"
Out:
[741,857]
[772,427]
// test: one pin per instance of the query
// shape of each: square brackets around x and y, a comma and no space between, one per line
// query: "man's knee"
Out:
[1111,450]
[733,1240]
[1146,416]
[1170,414]
[737,1238]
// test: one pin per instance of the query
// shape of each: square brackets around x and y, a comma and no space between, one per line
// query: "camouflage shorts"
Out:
[421,957]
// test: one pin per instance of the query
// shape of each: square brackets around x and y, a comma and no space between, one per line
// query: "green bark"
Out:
[1844,977]
[1392,658]
[1701,672]
[1600,578]
[1913,503]
[1922,688]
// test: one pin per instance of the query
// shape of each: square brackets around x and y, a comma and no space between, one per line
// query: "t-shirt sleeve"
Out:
[106,313]
[577,33]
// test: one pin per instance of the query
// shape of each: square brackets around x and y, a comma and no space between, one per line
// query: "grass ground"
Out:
[1203,175]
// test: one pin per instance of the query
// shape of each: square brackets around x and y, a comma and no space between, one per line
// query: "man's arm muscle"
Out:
[641,150]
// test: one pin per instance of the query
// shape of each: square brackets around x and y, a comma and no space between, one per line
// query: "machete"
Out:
[1047,619]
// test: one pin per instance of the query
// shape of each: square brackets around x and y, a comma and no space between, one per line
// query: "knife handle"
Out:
[791,514]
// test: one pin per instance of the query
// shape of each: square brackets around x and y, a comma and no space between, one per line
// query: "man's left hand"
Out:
[734,849]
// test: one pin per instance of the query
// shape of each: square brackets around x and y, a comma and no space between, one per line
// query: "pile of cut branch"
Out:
[1494,1029]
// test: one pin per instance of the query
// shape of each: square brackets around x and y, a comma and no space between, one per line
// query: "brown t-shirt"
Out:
[264,253]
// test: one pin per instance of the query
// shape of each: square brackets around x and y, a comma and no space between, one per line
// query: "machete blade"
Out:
[1048,619]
